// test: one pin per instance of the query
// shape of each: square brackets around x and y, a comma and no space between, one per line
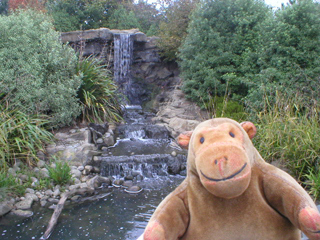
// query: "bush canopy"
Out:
[37,73]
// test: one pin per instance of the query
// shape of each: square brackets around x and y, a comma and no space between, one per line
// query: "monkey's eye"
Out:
[231,134]
[202,140]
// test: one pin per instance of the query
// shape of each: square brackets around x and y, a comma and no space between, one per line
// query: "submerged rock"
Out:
[117,183]
[22,213]
[133,189]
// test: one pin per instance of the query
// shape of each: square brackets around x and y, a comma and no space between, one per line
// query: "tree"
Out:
[147,15]
[70,15]
[3,6]
[221,48]
[121,18]
[34,4]
[290,58]
[174,28]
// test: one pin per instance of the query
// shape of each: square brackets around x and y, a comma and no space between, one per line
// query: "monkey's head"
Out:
[221,155]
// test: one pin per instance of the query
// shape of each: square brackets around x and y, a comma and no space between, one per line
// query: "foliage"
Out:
[21,136]
[313,182]
[33,4]
[223,37]
[4,6]
[37,72]
[60,172]
[174,29]
[122,18]
[290,133]
[70,15]
[147,15]
[224,107]
[289,58]
[9,185]
[97,92]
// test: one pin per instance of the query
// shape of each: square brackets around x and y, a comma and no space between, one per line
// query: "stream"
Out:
[142,148]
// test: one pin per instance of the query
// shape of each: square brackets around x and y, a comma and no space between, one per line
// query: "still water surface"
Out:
[119,216]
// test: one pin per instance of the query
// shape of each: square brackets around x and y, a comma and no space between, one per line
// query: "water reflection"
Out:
[119,216]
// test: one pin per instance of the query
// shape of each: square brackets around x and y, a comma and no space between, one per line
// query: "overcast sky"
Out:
[276,3]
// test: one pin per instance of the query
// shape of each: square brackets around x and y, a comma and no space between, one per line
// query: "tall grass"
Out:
[313,182]
[9,185]
[21,136]
[224,107]
[289,132]
[98,92]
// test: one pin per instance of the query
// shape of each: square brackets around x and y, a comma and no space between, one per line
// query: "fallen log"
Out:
[54,218]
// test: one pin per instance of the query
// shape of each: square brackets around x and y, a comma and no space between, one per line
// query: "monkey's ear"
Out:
[184,139]
[250,128]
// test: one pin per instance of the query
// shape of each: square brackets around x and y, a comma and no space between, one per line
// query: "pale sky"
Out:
[276,3]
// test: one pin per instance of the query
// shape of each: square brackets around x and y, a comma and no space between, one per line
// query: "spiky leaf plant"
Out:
[98,92]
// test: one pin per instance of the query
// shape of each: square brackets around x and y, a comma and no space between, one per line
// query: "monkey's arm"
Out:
[291,200]
[171,218]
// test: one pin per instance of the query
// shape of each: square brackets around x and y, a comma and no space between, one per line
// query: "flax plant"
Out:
[21,136]
[98,92]
[59,172]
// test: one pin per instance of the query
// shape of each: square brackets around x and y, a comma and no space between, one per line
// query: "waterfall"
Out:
[123,51]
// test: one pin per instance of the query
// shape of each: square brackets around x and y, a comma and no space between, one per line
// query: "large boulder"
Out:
[73,146]
[177,113]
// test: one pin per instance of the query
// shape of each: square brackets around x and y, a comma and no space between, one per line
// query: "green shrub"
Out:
[289,59]
[220,49]
[9,185]
[97,92]
[290,133]
[21,136]
[313,182]
[60,172]
[37,73]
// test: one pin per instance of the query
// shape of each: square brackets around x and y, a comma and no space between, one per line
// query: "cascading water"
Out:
[123,56]
[142,148]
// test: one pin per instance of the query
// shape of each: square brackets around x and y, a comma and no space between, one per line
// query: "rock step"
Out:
[147,165]
[135,146]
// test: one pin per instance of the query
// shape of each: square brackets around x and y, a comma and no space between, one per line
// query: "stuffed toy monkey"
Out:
[231,193]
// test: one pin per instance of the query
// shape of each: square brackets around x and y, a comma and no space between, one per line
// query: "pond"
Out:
[118,216]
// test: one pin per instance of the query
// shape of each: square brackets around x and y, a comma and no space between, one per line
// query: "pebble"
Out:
[117,183]
[129,177]
[41,164]
[53,206]
[30,190]
[43,203]
[127,184]
[49,192]
[80,168]
[133,189]
[22,213]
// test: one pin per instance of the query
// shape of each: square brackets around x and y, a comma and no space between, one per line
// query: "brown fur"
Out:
[231,193]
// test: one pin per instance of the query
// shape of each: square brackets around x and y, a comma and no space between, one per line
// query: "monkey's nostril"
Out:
[216,161]
[225,158]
